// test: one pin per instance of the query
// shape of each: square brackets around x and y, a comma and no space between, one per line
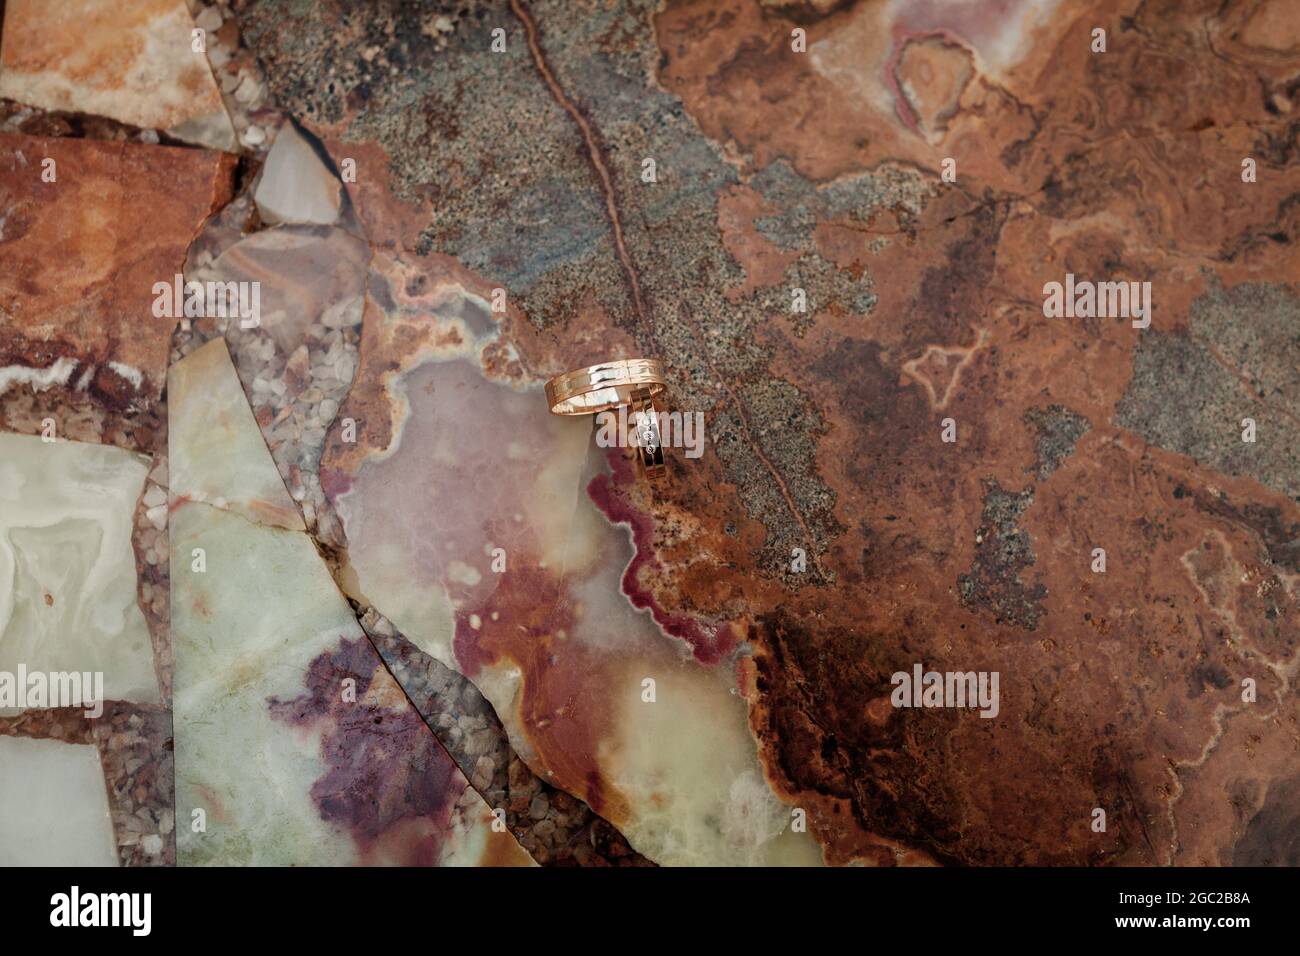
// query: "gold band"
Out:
[650,443]
[600,387]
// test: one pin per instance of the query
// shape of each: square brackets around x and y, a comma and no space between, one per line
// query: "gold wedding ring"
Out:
[598,388]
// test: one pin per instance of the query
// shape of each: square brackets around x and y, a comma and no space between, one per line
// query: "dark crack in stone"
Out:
[781,420]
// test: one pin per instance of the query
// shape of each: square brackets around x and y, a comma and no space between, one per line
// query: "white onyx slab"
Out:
[216,451]
[53,805]
[67,569]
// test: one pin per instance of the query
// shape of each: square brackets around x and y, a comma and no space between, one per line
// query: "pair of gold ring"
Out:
[635,383]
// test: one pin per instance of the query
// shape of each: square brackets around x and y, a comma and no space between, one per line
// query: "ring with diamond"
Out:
[598,388]
[649,442]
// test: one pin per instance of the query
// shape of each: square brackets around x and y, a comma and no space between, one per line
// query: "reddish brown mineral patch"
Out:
[932,75]
[710,643]
[525,621]
[133,61]
[80,254]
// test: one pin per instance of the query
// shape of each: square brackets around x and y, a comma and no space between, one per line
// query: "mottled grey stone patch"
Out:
[1238,359]
[1058,429]
[784,424]
[1003,556]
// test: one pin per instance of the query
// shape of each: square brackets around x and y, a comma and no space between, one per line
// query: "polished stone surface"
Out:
[89,229]
[216,453]
[53,809]
[68,601]
[838,225]
[295,186]
[132,60]
[293,743]
[499,563]
[830,537]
